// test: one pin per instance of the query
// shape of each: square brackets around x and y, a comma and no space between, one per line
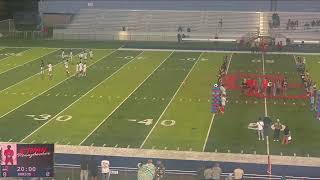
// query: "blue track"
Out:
[188,165]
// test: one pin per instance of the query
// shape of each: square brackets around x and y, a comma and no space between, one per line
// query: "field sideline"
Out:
[148,99]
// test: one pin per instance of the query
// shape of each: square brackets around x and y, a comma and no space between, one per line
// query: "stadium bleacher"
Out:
[163,25]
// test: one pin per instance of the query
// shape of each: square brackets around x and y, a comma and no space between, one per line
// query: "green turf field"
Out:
[149,99]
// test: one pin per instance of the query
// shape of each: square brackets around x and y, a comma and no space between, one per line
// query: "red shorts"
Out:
[8,160]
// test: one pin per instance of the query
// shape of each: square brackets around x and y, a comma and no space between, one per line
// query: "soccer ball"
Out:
[215,85]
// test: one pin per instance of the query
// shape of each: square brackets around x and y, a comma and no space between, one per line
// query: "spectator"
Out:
[216,171]
[105,169]
[146,171]
[267,122]
[277,129]
[160,171]
[84,168]
[93,169]
[179,38]
[286,133]
[260,125]
[238,173]
[208,173]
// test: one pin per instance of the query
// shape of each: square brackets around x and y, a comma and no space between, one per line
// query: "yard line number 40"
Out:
[45,117]
[147,122]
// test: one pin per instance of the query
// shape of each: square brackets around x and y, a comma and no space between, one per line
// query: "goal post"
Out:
[6,27]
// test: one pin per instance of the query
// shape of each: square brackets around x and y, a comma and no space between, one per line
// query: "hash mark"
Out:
[10,140]
[165,148]
[116,145]
[128,146]
[33,141]
[153,147]
[92,144]
[44,142]
[104,145]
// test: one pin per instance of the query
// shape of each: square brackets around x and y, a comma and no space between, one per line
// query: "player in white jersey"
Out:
[84,69]
[71,55]
[62,55]
[91,54]
[77,69]
[50,68]
[85,56]
[80,69]
[66,65]
[81,56]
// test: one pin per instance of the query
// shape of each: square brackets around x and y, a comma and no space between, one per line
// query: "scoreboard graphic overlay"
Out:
[27,160]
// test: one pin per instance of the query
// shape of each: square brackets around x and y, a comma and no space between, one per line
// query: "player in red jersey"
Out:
[265,85]
[254,86]
[8,153]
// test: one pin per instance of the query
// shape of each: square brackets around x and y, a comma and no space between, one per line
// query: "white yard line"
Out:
[213,115]
[265,98]
[80,98]
[173,97]
[124,100]
[30,77]
[17,53]
[208,133]
[28,61]
[50,88]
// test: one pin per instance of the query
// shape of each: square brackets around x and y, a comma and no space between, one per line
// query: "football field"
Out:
[151,99]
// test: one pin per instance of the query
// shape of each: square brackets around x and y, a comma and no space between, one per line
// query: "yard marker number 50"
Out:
[45,117]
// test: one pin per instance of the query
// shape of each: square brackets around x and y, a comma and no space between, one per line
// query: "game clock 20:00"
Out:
[27,160]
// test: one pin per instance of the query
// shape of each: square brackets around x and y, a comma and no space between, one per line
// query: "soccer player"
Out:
[85,56]
[284,86]
[84,69]
[81,55]
[62,54]
[274,89]
[278,84]
[244,86]
[91,54]
[42,67]
[50,68]
[264,86]
[223,103]
[78,69]
[269,88]
[8,153]
[71,55]
[66,65]
[223,90]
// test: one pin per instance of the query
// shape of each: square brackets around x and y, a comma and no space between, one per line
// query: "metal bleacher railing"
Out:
[72,172]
